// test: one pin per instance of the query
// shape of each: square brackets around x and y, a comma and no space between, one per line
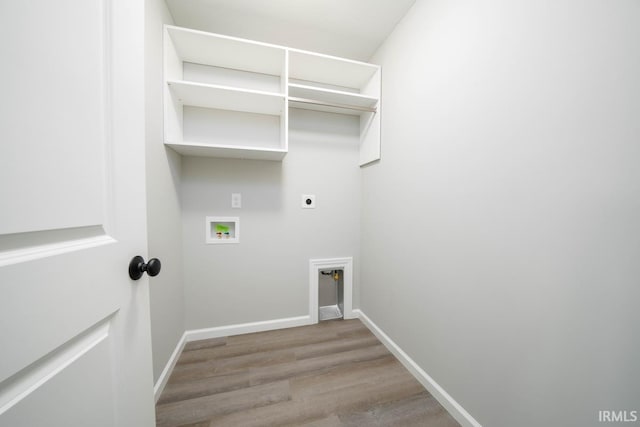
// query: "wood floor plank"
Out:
[268,341]
[330,381]
[306,409]
[358,397]
[236,349]
[262,375]
[200,424]
[203,344]
[215,367]
[175,391]
[330,421]
[334,346]
[335,373]
[206,407]
[419,410]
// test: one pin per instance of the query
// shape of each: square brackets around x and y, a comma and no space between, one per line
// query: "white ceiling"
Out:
[348,28]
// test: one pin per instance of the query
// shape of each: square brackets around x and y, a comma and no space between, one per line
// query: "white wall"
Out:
[265,276]
[163,202]
[501,232]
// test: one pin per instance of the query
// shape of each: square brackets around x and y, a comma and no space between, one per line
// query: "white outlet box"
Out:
[308,201]
[236,200]
[222,229]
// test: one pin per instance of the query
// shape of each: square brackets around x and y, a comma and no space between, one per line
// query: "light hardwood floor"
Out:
[335,373]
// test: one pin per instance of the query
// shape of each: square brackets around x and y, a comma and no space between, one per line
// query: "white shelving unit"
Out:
[229,97]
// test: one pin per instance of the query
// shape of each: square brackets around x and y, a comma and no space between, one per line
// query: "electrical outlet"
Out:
[236,200]
[308,201]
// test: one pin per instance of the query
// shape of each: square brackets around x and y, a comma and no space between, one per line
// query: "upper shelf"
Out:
[229,52]
[316,67]
[321,99]
[227,98]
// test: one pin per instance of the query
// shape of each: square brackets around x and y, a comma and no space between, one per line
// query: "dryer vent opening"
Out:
[330,294]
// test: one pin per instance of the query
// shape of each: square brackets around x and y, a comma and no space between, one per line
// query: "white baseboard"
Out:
[166,372]
[453,407]
[246,328]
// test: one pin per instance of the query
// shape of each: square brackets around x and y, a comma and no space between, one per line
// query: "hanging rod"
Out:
[328,104]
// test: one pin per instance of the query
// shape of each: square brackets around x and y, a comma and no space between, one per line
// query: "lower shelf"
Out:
[233,152]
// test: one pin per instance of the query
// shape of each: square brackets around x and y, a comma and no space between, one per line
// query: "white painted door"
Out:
[74,329]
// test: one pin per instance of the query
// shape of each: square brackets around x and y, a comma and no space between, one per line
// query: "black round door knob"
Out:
[137,267]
